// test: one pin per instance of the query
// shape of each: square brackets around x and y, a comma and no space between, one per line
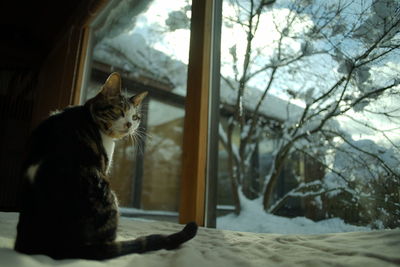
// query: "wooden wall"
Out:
[41,51]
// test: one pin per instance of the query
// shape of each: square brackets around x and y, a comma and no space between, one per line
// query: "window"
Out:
[296,105]
[308,122]
[138,39]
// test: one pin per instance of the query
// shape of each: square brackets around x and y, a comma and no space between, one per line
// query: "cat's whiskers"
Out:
[134,141]
[140,143]
[140,136]
[143,134]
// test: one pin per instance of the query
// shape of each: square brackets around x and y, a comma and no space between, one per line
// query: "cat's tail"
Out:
[139,245]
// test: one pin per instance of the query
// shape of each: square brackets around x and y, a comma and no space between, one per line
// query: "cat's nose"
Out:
[128,125]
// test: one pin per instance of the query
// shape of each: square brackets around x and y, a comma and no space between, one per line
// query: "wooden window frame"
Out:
[200,140]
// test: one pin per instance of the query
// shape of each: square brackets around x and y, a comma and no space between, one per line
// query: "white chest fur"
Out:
[108,144]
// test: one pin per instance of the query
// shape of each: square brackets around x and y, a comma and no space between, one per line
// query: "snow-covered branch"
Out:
[389,169]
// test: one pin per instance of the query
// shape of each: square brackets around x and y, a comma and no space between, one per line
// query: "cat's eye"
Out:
[135,117]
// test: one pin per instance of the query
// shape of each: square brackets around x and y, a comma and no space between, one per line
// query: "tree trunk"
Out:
[268,193]
[232,174]
[251,175]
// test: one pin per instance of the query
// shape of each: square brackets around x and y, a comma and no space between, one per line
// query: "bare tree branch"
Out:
[372,155]
[378,41]
[228,82]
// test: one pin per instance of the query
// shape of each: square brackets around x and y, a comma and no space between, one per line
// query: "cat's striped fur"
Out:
[67,207]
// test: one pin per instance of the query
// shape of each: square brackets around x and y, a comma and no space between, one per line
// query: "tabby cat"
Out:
[67,207]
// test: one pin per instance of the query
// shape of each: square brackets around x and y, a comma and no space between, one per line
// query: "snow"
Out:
[254,219]
[212,247]
[273,106]
[142,44]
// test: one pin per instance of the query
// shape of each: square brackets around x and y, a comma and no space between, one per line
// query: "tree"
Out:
[338,59]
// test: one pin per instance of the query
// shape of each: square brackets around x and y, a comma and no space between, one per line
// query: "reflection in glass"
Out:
[162,157]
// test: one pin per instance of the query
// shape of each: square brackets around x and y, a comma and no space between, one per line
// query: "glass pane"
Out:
[162,157]
[147,42]
[309,125]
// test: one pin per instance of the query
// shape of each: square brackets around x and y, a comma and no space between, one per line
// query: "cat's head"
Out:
[115,114]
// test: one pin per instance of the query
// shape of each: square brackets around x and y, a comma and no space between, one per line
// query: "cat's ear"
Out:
[136,100]
[112,86]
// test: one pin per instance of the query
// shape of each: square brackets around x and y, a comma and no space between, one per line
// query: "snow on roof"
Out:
[272,107]
[129,52]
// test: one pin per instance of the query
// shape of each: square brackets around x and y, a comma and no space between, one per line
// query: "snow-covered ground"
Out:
[254,219]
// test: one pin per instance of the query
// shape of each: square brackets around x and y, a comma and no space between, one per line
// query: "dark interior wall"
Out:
[31,28]
[39,46]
